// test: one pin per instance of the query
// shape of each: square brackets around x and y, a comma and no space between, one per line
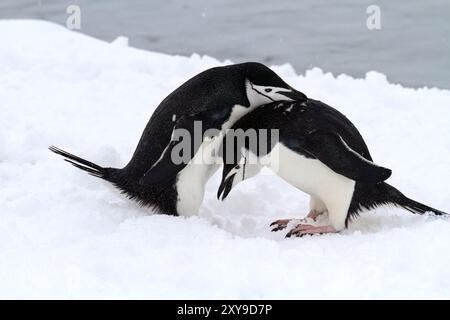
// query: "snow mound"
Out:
[64,234]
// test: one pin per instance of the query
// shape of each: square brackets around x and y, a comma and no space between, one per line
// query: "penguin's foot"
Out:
[281,224]
[306,229]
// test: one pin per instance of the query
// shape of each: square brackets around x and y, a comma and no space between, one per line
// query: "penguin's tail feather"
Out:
[85,165]
[112,175]
[160,201]
[390,195]
[419,208]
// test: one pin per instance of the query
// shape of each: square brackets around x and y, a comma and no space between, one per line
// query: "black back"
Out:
[296,120]
[198,93]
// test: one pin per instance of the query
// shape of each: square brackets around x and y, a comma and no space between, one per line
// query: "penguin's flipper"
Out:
[171,161]
[334,152]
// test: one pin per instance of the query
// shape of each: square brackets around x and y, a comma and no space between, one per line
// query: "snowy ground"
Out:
[64,234]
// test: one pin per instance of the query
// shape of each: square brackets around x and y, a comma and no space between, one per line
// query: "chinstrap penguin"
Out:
[318,151]
[217,97]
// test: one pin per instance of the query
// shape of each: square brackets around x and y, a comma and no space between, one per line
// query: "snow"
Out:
[65,234]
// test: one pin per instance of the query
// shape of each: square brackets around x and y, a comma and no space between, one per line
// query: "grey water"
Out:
[412,47]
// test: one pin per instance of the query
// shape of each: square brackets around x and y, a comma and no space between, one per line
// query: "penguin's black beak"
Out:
[295,95]
[225,187]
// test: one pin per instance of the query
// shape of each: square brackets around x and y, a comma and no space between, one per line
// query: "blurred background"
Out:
[412,47]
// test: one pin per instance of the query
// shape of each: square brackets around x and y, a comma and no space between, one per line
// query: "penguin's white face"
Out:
[259,95]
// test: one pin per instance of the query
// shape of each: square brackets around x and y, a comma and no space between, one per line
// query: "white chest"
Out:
[192,179]
[309,175]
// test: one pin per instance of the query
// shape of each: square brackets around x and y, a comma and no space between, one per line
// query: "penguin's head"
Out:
[244,168]
[263,86]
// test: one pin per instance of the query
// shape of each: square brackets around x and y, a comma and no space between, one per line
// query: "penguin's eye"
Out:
[268,90]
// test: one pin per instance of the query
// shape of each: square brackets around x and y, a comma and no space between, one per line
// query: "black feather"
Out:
[162,200]
[369,196]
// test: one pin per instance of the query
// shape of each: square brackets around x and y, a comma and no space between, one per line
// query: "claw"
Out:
[279,224]
[302,230]
[299,230]
[289,234]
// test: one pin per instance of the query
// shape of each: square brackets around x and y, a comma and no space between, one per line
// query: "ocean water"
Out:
[412,47]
